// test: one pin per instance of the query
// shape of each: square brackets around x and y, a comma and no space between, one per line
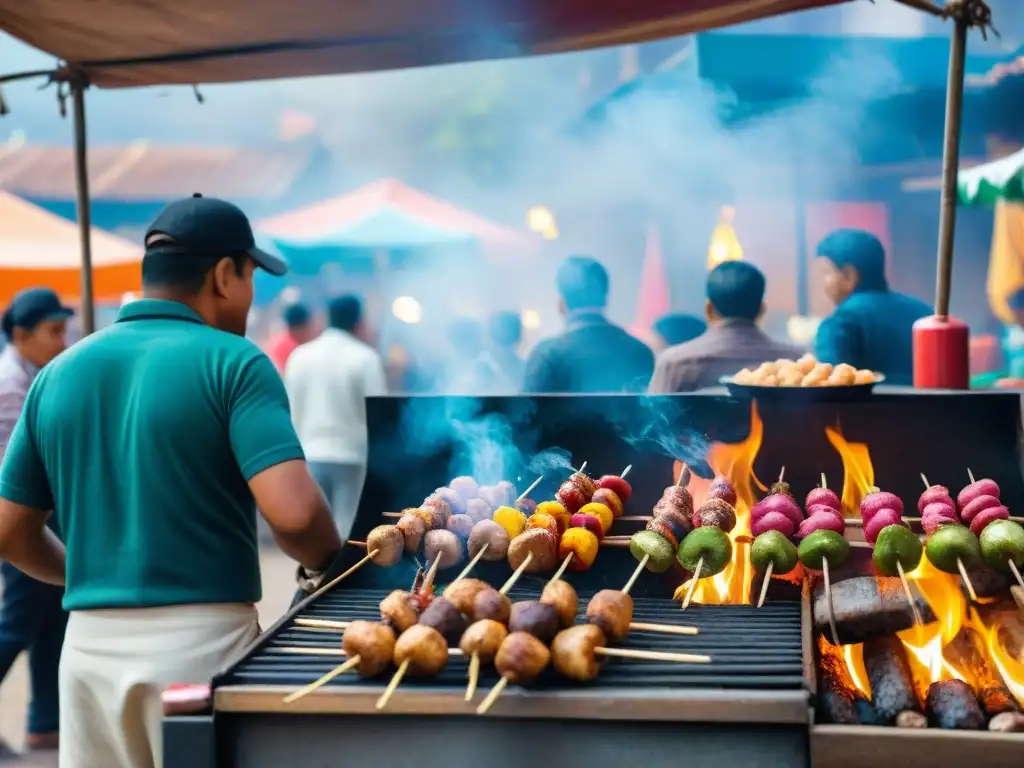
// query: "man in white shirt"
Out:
[328,380]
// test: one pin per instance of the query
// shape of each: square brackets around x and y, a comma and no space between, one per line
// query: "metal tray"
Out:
[801,394]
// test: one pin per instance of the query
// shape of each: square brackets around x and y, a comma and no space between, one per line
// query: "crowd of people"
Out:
[134,461]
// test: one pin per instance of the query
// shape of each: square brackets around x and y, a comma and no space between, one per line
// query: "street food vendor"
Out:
[872,325]
[153,442]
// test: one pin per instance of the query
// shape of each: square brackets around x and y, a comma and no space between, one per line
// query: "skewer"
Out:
[636,574]
[580,470]
[472,564]
[664,629]
[322,624]
[428,580]
[970,475]
[959,563]
[562,567]
[622,475]
[633,653]
[765,583]
[1016,572]
[315,650]
[333,582]
[474,676]
[338,670]
[782,474]
[515,576]
[828,603]
[824,482]
[684,472]
[527,492]
[390,690]
[492,696]
[910,595]
[693,584]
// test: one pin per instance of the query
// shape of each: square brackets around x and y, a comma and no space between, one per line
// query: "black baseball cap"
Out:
[31,307]
[200,225]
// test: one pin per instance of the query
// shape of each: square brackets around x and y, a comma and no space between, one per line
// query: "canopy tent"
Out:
[386,214]
[115,43]
[38,248]
[986,184]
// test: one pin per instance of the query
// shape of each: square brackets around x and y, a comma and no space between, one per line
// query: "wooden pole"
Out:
[82,210]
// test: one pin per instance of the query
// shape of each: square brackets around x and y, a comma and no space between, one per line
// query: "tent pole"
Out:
[950,163]
[82,211]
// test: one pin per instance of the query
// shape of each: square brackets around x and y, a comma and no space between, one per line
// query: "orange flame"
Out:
[858,472]
[735,461]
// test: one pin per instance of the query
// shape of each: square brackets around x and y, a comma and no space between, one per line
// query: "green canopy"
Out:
[999,180]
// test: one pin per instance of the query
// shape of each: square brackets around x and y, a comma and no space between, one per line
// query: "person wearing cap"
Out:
[298,329]
[154,441]
[872,326]
[31,617]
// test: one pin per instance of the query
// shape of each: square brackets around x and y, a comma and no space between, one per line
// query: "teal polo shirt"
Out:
[141,439]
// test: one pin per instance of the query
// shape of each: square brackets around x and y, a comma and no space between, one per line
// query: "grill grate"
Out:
[751,648]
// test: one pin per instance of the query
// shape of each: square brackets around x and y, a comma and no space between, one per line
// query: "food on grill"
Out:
[722,488]
[821,517]
[867,606]
[478,510]
[777,504]
[506,492]
[952,545]
[982,509]
[488,533]
[977,488]
[883,518]
[659,527]
[976,506]
[601,512]
[677,522]
[707,550]
[822,495]
[561,596]
[465,487]
[511,519]
[557,511]
[526,506]
[439,509]
[412,529]
[539,619]
[1002,543]
[717,513]
[612,611]
[573,652]
[372,642]
[892,684]
[388,542]
[460,525]
[589,523]
[823,547]
[657,548]
[773,549]
[582,545]
[675,498]
[988,516]
[608,498]
[483,639]
[522,658]
[401,609]
[616,484]
[781,488]
[443,616]
[952,705]
[443,547]
[462,593]
[937,514]
[896,546]
[877,501]
[491,604]
[934,494]
[424,648]
[805,372]
[544,522]
[541,544]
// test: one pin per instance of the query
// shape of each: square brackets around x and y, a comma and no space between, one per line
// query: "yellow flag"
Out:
[1006,262]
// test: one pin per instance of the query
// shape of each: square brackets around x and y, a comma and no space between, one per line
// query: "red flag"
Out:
[653,301]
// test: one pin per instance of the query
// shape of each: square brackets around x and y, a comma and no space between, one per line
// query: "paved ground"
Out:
[278,586]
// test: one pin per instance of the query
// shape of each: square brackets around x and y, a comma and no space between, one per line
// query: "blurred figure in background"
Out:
[733,340]
[670,330]
[466,371]
[591,354]
[506,331]
[328,380]
[872,326]
[298,329]
[31,618]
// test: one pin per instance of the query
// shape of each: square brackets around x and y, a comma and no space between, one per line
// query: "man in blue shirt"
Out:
[872,326]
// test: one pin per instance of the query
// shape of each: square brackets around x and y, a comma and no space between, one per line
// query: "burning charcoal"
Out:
[892,685]
[951,704]
[967,651]
[837,707]
[988,582]
[1007,722]
[866,712]
[866,607]
[910,719]
[835,688]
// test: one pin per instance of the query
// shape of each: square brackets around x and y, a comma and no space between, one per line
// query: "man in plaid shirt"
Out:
[31,617]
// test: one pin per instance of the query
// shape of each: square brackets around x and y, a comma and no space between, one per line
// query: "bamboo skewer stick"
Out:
[580,470]
[562,567]
[636,574]
[910,595]
[472,564]
[959,563]
[527,492]
[684,477]
[322,624]
[1016,572]
[633,653]
[664,629]
[824,482]
[782,474]
[392,686]
[970,475]
[338,670]
[337,579]
[515,576]
[765,583]
[428,580]
[828,602]
[474,676]
[622,475]
[314,650]
[492,696]
[693,584]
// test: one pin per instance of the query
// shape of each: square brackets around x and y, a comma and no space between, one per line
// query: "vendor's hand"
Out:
[310,581]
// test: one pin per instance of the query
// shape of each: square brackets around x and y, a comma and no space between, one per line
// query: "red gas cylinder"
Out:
[941,353]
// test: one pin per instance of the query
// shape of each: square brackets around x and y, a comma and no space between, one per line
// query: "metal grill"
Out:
[750,648]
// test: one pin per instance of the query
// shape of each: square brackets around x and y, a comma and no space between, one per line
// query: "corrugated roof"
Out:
[143,171]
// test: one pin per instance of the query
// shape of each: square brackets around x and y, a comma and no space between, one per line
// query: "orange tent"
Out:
[38,248]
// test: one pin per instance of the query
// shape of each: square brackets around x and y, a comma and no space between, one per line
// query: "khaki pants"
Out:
[116,664]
